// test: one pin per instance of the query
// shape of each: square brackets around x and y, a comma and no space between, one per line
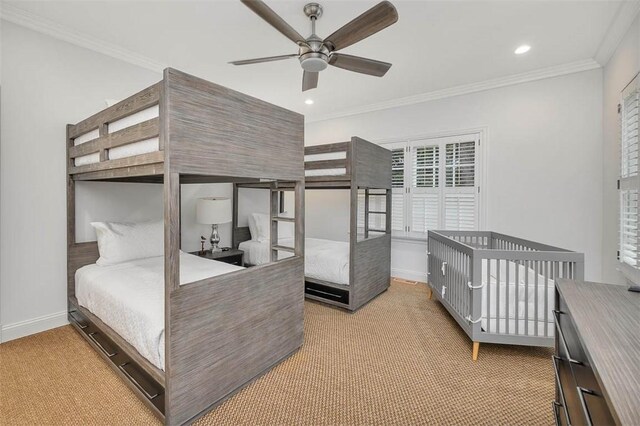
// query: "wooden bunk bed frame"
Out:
[367,167]
[220,332]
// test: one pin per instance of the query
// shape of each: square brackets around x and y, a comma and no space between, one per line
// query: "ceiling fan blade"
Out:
[309,80]
[370,22]
[358,64]
[267,59]
[272,18]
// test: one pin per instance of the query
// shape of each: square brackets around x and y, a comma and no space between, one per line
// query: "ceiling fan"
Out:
[315,54]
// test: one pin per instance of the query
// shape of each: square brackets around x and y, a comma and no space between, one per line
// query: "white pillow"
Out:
[253,229]
[120,242]
[262,226]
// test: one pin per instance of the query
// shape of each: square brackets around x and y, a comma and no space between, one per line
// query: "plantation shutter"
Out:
[424,193]
[460,191]
[629,183]
[397,187]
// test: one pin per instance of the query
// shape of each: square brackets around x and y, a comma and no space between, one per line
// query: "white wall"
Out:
[136,202]
[327,214]
[543,168]
[623,65]
[45,85]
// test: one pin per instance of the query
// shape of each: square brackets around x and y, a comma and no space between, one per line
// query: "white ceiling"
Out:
[433,46]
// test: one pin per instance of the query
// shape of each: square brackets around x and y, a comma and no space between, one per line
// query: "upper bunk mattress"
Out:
[128,150]
[324,260]
[129,297]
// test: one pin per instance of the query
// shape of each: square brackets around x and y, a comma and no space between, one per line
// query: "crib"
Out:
[500,289]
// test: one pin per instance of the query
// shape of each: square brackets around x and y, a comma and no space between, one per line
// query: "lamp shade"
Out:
[213,210]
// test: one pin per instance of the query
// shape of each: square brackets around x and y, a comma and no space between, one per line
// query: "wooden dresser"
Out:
[597,359]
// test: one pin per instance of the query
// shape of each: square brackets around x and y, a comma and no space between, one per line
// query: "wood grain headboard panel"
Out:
[241,234]
[80,254]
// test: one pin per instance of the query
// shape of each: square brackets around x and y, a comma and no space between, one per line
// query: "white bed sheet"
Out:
[525,293]
[325,260]
[129,150]
[129,297]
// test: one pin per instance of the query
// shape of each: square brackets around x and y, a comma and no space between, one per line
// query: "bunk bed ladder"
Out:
[273,213]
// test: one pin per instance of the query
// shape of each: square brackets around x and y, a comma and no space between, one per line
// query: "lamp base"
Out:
[214,239]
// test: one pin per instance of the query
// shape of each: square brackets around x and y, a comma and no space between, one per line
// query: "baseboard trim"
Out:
[33,326]
[409,275]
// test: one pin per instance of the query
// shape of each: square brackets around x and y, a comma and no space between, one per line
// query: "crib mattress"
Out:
[324,260]
[533,303]
[129,297]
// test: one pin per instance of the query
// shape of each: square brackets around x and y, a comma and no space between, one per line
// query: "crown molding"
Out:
[626,14]
[37,23]
[555,71]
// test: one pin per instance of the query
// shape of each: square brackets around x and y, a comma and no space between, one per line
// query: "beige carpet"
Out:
[399,360]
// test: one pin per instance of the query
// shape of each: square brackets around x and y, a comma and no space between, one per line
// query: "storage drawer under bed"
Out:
[119,360]
[326,292]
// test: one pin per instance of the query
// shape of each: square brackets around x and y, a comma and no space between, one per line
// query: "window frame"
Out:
[442,139]
[630,182]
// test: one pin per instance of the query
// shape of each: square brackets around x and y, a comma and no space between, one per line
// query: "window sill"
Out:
[630,273]
[418,237]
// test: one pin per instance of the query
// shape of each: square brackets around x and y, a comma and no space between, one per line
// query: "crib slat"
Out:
[508,309]
[488,289]
[499,267]
[517,300]
[526,299]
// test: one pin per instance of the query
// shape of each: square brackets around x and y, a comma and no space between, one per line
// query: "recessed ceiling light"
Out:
[522,49]
[309,102]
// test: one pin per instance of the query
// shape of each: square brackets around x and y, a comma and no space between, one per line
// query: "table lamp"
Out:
[213,211]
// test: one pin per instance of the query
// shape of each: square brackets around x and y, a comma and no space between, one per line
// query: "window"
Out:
[435,184]
[629,183]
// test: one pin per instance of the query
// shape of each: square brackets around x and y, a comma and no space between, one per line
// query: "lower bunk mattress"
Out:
[129,297]
[324,260]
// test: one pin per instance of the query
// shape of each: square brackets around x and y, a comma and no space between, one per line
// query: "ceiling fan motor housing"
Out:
[314,61]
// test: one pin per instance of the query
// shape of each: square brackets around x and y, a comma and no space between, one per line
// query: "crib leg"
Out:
[430,292]
[476,348]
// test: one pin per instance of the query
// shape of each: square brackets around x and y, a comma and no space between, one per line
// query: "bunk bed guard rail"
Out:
[500,289]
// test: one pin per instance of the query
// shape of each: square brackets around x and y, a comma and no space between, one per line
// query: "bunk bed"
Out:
[344,274]
[221,331]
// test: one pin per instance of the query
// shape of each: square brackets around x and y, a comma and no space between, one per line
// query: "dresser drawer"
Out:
[567,341]
[594,408]
[578,392]
[567,398]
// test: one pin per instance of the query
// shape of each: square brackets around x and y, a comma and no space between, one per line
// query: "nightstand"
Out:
[232,256]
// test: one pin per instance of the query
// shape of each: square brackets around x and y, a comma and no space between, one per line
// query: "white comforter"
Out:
[129,297]
[325,260]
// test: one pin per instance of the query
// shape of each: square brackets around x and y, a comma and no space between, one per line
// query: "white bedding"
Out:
[497,318]
[129,297]
[129,150]
[323,259]
[325,172]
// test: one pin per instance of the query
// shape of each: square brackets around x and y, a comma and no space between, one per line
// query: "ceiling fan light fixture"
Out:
[314,61]
[309,101]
